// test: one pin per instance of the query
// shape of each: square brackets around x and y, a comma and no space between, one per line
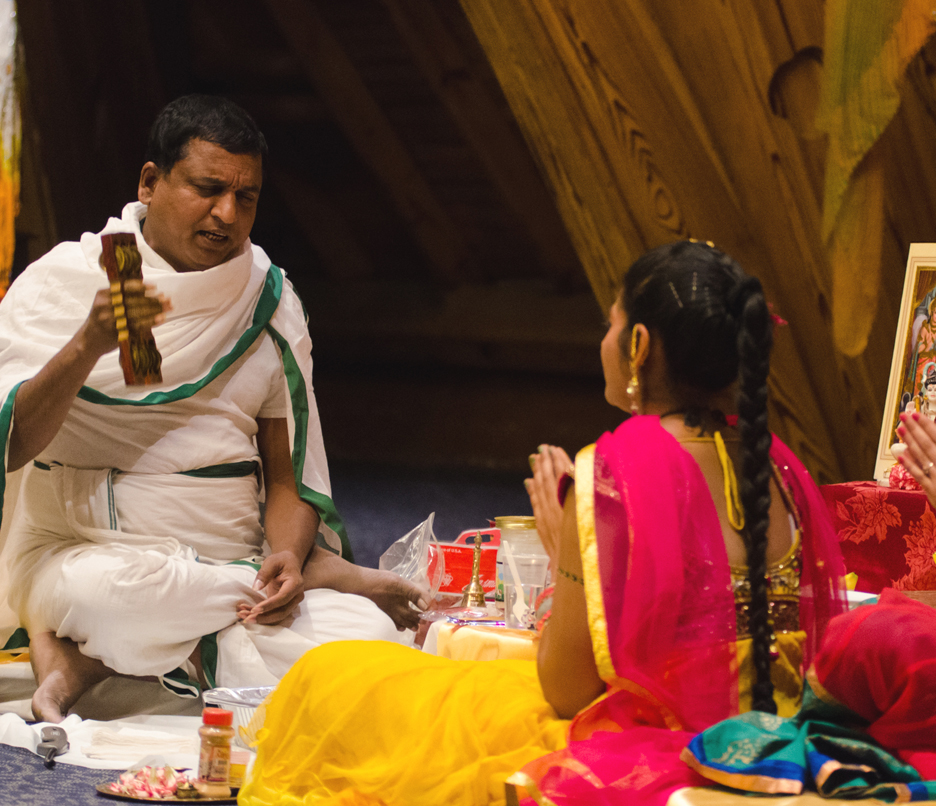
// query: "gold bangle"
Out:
[562,572]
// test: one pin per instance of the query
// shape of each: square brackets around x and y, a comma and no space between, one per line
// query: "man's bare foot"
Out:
[63,674]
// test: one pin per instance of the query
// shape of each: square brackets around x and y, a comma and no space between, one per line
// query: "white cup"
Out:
[519,601]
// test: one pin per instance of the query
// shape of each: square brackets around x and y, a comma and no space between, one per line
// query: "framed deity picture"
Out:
[913,368]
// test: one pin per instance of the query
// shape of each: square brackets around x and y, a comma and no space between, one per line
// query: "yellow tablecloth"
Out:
[480,643]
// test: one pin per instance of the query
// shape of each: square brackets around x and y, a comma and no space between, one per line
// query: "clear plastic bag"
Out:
[416,557]
[248,706]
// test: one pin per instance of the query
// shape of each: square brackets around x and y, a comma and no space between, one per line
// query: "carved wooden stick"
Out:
[139,358]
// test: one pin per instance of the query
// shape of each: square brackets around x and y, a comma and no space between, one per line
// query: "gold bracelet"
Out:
[567,575]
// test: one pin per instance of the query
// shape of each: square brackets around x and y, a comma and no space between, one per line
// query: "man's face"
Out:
[202,210]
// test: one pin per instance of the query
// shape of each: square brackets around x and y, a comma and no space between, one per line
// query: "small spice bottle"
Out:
[214,760]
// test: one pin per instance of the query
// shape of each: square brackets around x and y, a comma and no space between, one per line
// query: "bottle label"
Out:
[214,763]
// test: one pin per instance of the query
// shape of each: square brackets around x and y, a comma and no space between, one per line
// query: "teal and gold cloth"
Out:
[866,726]
[817,749]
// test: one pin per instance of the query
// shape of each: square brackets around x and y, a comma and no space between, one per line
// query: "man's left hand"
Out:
[280,578]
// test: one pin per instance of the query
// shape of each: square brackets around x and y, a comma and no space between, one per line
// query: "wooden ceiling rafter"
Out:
[486,125]
[587,197]
[341,88]
[324,227]
[624,105]
[73,96]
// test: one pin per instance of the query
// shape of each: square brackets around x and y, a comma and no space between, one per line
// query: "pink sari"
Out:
[662,615]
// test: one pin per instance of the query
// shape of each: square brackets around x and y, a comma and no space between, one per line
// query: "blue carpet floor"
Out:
[379,506]
[26,781]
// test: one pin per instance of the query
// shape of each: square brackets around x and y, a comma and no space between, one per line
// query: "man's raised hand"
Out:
[143,307]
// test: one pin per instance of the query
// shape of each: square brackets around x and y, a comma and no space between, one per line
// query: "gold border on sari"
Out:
[525,782]
[749,783]
[594,601]
[588,546]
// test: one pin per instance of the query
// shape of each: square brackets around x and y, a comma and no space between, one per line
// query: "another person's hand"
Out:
[143,308]
[919,432]
[549,465]
[280,579]
[395,595]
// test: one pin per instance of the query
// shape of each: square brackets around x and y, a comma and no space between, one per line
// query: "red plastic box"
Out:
[459,556]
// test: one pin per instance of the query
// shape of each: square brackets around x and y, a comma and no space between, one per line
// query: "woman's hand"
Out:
[919,432]
[549,466]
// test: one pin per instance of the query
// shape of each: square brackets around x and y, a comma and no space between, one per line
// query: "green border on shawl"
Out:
[6,424]
[209,658]
[229,470]
[295,382]
[266,307]
[18,640]
[179,683]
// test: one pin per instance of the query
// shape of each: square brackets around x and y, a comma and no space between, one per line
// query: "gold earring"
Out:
[633,389]
[633,385]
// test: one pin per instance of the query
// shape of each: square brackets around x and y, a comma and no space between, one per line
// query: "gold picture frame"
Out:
[914,350]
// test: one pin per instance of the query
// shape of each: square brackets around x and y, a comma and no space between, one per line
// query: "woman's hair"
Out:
[715,327]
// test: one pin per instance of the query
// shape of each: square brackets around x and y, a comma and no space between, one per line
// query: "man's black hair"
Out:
[204,117]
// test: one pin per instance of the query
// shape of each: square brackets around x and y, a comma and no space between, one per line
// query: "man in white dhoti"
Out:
[137,545]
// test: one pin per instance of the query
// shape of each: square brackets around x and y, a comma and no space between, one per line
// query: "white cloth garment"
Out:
[141,602]
[171,737]
[110,544]
[132,744]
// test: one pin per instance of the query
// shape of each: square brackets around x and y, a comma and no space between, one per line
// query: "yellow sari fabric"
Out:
[785,673]
[397,727]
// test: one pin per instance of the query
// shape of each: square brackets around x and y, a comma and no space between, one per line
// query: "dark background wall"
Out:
[452,184]
[453,326]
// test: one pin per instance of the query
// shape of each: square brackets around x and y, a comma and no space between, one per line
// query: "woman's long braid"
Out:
[715,327]
[754,342]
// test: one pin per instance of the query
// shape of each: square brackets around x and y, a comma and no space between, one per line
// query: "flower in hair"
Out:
[778,321]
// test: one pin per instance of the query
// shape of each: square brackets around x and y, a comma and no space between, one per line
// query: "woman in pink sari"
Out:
[682,597]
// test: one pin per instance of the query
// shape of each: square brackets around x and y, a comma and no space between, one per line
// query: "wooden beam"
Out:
[36,219]
[486,125]
[324,227]
[341,88]
[282,107]
[663,138]
[91,118]
[605,231]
